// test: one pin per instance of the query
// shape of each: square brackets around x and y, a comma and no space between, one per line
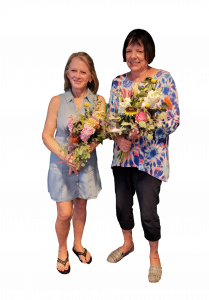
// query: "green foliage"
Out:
[121,156]
[81,155]
[151,127]
[125,123]
[101,137]
[162,116]
[142,94]
[121,130]
[142,124]
[164,105]
[149,136]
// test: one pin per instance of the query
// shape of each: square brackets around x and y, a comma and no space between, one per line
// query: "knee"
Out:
[79,204]
[65,216]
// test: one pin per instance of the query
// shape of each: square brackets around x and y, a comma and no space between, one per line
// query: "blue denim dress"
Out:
[62,186]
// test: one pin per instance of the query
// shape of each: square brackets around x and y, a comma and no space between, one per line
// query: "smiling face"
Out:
[135,58]
[78,74]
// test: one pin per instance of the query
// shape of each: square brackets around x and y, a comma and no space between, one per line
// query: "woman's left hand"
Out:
[134,134]
[92,146]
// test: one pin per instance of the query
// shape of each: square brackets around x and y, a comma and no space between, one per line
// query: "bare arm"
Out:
[49,129]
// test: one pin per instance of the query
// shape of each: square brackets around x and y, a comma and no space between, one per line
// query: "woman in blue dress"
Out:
[68,187]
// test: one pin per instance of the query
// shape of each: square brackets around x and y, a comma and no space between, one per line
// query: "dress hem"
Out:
[91,197]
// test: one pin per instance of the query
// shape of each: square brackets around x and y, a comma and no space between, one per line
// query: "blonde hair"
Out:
[94,84]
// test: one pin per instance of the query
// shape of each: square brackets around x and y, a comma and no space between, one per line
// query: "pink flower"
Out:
[126,93]
[86,132]
[141,117]
[70,122]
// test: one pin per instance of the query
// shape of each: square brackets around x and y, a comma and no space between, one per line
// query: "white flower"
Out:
[127,100]
[125,103]
[152,98]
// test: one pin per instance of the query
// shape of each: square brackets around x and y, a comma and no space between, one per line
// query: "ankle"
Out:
[62,248]
[128,243]
[77,245]
[154,254]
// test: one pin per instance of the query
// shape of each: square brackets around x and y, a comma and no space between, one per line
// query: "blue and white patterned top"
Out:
[152,157]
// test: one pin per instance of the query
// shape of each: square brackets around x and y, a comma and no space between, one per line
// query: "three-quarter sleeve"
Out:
[111,102]
[173,114]
[112,105]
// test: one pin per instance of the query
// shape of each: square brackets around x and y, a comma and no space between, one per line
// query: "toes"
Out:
[60,267]
[82,258]
[88,256]
[67,266]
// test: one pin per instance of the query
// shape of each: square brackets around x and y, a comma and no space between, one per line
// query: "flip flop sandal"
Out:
[117,255]
[155,273]
[84,254]
[63,262]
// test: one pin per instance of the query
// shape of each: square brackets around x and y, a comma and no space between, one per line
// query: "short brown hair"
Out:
[94,84]
[138,36]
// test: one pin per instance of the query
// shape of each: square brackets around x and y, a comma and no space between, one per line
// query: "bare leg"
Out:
[79,219]
[62,227]
[154,256]
[128,241]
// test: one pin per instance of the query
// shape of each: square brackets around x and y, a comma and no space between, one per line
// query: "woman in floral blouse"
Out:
[146,164]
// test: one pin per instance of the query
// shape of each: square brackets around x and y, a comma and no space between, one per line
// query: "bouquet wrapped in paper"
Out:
[139,112]
[84,129]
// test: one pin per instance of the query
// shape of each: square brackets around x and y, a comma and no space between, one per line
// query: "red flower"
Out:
[73,139]
[168,101]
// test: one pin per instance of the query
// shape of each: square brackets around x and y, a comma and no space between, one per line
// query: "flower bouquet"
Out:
[84,129]
[139,112]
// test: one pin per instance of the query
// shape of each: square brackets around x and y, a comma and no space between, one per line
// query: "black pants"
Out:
[127,181]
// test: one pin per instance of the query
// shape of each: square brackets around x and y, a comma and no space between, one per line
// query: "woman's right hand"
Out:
[72,167]
[124,144]
[68,160]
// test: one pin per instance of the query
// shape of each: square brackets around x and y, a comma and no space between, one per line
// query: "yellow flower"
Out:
[135,89]
[86,104]
[130,111]
[83,115]
[153,80]
[147,105]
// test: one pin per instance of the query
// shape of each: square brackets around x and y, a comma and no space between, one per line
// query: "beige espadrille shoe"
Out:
[155,273]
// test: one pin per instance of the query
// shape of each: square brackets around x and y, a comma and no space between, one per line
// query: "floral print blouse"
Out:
[152,156]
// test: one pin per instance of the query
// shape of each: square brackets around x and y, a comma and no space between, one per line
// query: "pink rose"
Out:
[141,117]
